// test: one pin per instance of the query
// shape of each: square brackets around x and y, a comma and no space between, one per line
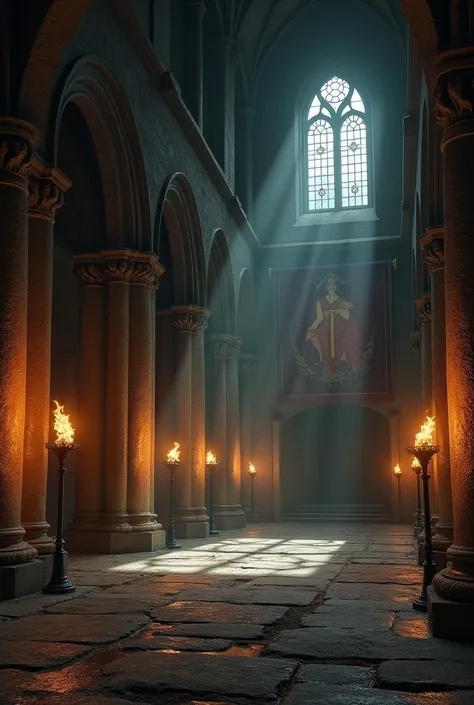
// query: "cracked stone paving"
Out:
[274,614]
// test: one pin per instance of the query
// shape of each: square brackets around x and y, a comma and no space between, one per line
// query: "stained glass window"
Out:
[337,164]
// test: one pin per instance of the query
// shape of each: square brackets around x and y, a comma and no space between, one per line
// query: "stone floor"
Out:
[275,614]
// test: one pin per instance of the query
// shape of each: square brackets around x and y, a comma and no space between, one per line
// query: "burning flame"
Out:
[174,454]
[62,425]
[211,459]
[397,469]
[425,436]
[415,463]
[252,469]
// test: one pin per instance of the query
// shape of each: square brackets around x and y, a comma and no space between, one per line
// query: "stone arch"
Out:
[178,220]
[245,312]
[220,290]
[93,88]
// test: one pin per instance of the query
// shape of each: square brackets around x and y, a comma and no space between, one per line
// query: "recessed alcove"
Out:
[335,463]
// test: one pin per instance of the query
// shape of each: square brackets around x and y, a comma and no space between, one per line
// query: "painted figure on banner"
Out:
[334,332]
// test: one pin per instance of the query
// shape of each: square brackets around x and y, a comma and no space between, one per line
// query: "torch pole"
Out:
[171,540]
[399,477]
[212,522]
[424,455]
[252,503]
[418,523]
[59,583]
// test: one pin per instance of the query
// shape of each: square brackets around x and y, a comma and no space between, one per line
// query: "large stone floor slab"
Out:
[100,603]
[409,575]
[78,700]
[72,628]
[12,684]
[162,642]
[346,618]
[369,605]
[373,591]
[425,675]
[218,612]
[252,596]
[32,604]
[220,630]
[254,678]
[38,655]
[335,674]
[307,694]
[351,644]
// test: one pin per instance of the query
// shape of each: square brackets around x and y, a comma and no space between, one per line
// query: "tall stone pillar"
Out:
[190,322]
[47,186]
[248,114]
[114,475]
[19,574]
[454,102]
[216,435]
[195,10]
[247,367]
[226,350]
[433,248]
[423,305]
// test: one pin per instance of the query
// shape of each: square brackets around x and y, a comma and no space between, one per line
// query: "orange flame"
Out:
[425,436]
[397,469]
[174,454]
[211,459]
[415,463]
[252,469]
[62,425]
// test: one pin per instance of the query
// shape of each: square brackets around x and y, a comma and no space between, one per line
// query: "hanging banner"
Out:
[334,333]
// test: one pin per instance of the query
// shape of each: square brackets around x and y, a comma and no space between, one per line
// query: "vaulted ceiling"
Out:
[257,24]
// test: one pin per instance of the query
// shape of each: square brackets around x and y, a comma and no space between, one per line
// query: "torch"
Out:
[423,450]
[61,447]
[252,473]
[211,463]
[172,462]
[397,471]
[418,525]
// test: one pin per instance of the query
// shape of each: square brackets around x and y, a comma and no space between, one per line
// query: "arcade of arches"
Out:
[148,182]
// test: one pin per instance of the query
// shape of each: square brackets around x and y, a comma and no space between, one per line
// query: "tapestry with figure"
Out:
[334,332]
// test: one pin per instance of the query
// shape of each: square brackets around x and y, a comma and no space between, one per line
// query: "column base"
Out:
[449,619]
[192,523]
[47,559]
[230,517]
[252,517]
[440,560]
[37,536]
[21,579]
[112,542]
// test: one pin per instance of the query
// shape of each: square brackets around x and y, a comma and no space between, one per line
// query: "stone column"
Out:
[454,102]
[114,478]
[19,574]
[190,322]
[217,432]
[47,187]
[423,305]
[247,367]
[433,248]
[195,10]
[228,515]
[248,114]
[141,400]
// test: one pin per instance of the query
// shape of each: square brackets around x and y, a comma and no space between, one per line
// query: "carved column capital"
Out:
[17,139]
[432,244]
[190,319]
[126,266]
[453,95]
[416,341]
[423,305]
[225,345]
[47,186]
[247,364]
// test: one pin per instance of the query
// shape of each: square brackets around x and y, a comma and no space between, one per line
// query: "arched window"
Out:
[336,162]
